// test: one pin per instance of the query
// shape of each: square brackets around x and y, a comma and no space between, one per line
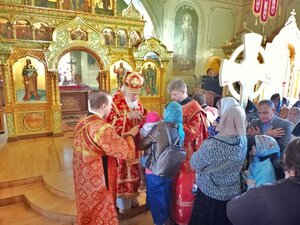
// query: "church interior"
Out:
[54,53]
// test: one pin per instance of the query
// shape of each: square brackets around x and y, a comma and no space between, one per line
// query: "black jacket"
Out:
[276,204]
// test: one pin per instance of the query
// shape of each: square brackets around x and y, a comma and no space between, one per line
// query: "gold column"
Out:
[9,112]
[14,31]
[55,104]
[115,7]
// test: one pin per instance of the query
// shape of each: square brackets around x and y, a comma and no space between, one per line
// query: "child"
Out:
[151,120]
[261,170]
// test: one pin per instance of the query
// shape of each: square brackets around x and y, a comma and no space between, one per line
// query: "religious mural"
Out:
[46,3]
[109,36]
[77,5]
[104,7]
[135,39]
[117,73]
[185,41]
[79,34]
[121,38]
[6,29]
[23,30]
[29,79]
[151,76]
[42,31]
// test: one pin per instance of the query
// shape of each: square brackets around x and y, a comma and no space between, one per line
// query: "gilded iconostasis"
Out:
[56,53]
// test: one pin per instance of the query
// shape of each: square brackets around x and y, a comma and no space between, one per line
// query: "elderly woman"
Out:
[158,187]
[275,204]
[218,164]
[294,117]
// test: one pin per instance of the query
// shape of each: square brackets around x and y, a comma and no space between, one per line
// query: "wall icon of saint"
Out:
[185,41]
[184,45]
[149,72]
[29,79]
[118,71]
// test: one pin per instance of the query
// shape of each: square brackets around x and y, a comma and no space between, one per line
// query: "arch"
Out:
[62,42]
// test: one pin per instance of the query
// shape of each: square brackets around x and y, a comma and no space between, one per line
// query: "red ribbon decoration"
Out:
[264,12]
[257,6]
[273,8]
[264,8]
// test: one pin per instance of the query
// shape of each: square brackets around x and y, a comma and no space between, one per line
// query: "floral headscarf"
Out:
[265,145]
[173,114]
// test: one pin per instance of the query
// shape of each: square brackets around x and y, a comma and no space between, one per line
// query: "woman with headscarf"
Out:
[222,104]
[218,163]
[275,204]
[261,170]
[159,188]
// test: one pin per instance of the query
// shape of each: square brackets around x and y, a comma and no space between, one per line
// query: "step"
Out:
[17,212]
[61,184]
[52,197]
[42,201]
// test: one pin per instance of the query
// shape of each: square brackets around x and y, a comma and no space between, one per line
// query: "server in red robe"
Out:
[195,129]
[97,146]
[127,112]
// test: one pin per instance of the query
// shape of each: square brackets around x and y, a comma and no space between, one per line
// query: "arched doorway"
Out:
[78,71]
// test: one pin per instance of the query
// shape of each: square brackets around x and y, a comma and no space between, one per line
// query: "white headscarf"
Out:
[233,122]
[227,103]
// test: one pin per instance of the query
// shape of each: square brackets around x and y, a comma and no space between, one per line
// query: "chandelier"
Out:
[265,8]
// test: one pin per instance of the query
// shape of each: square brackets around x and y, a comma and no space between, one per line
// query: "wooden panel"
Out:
[74,102]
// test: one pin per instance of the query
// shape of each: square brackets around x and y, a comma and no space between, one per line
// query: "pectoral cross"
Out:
[248,72]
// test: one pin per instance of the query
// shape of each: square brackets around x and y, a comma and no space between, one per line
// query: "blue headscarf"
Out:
[173,114]
[266,145]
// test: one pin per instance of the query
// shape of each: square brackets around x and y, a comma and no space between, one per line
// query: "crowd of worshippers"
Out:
[239,166]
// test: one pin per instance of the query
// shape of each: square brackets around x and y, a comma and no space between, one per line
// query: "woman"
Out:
[261,170]
[275,204]
[217,164]
[222,105]
[159,188]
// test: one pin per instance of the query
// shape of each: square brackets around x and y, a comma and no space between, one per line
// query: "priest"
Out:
[127,112]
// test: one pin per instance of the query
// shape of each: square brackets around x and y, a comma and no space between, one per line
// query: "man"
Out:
[126,113]
[30,81]
[194,126]
[210,82]
[96,147]
[120,72]
[271,125]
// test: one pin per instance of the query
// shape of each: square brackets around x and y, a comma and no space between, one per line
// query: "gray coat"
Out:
[276,123]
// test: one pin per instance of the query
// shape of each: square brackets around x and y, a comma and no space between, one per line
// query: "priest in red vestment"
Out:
[195,129]
[126,113]
[96,147]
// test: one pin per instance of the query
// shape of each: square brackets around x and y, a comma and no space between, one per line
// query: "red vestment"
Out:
[195,129]
[96,147]
[128,171]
